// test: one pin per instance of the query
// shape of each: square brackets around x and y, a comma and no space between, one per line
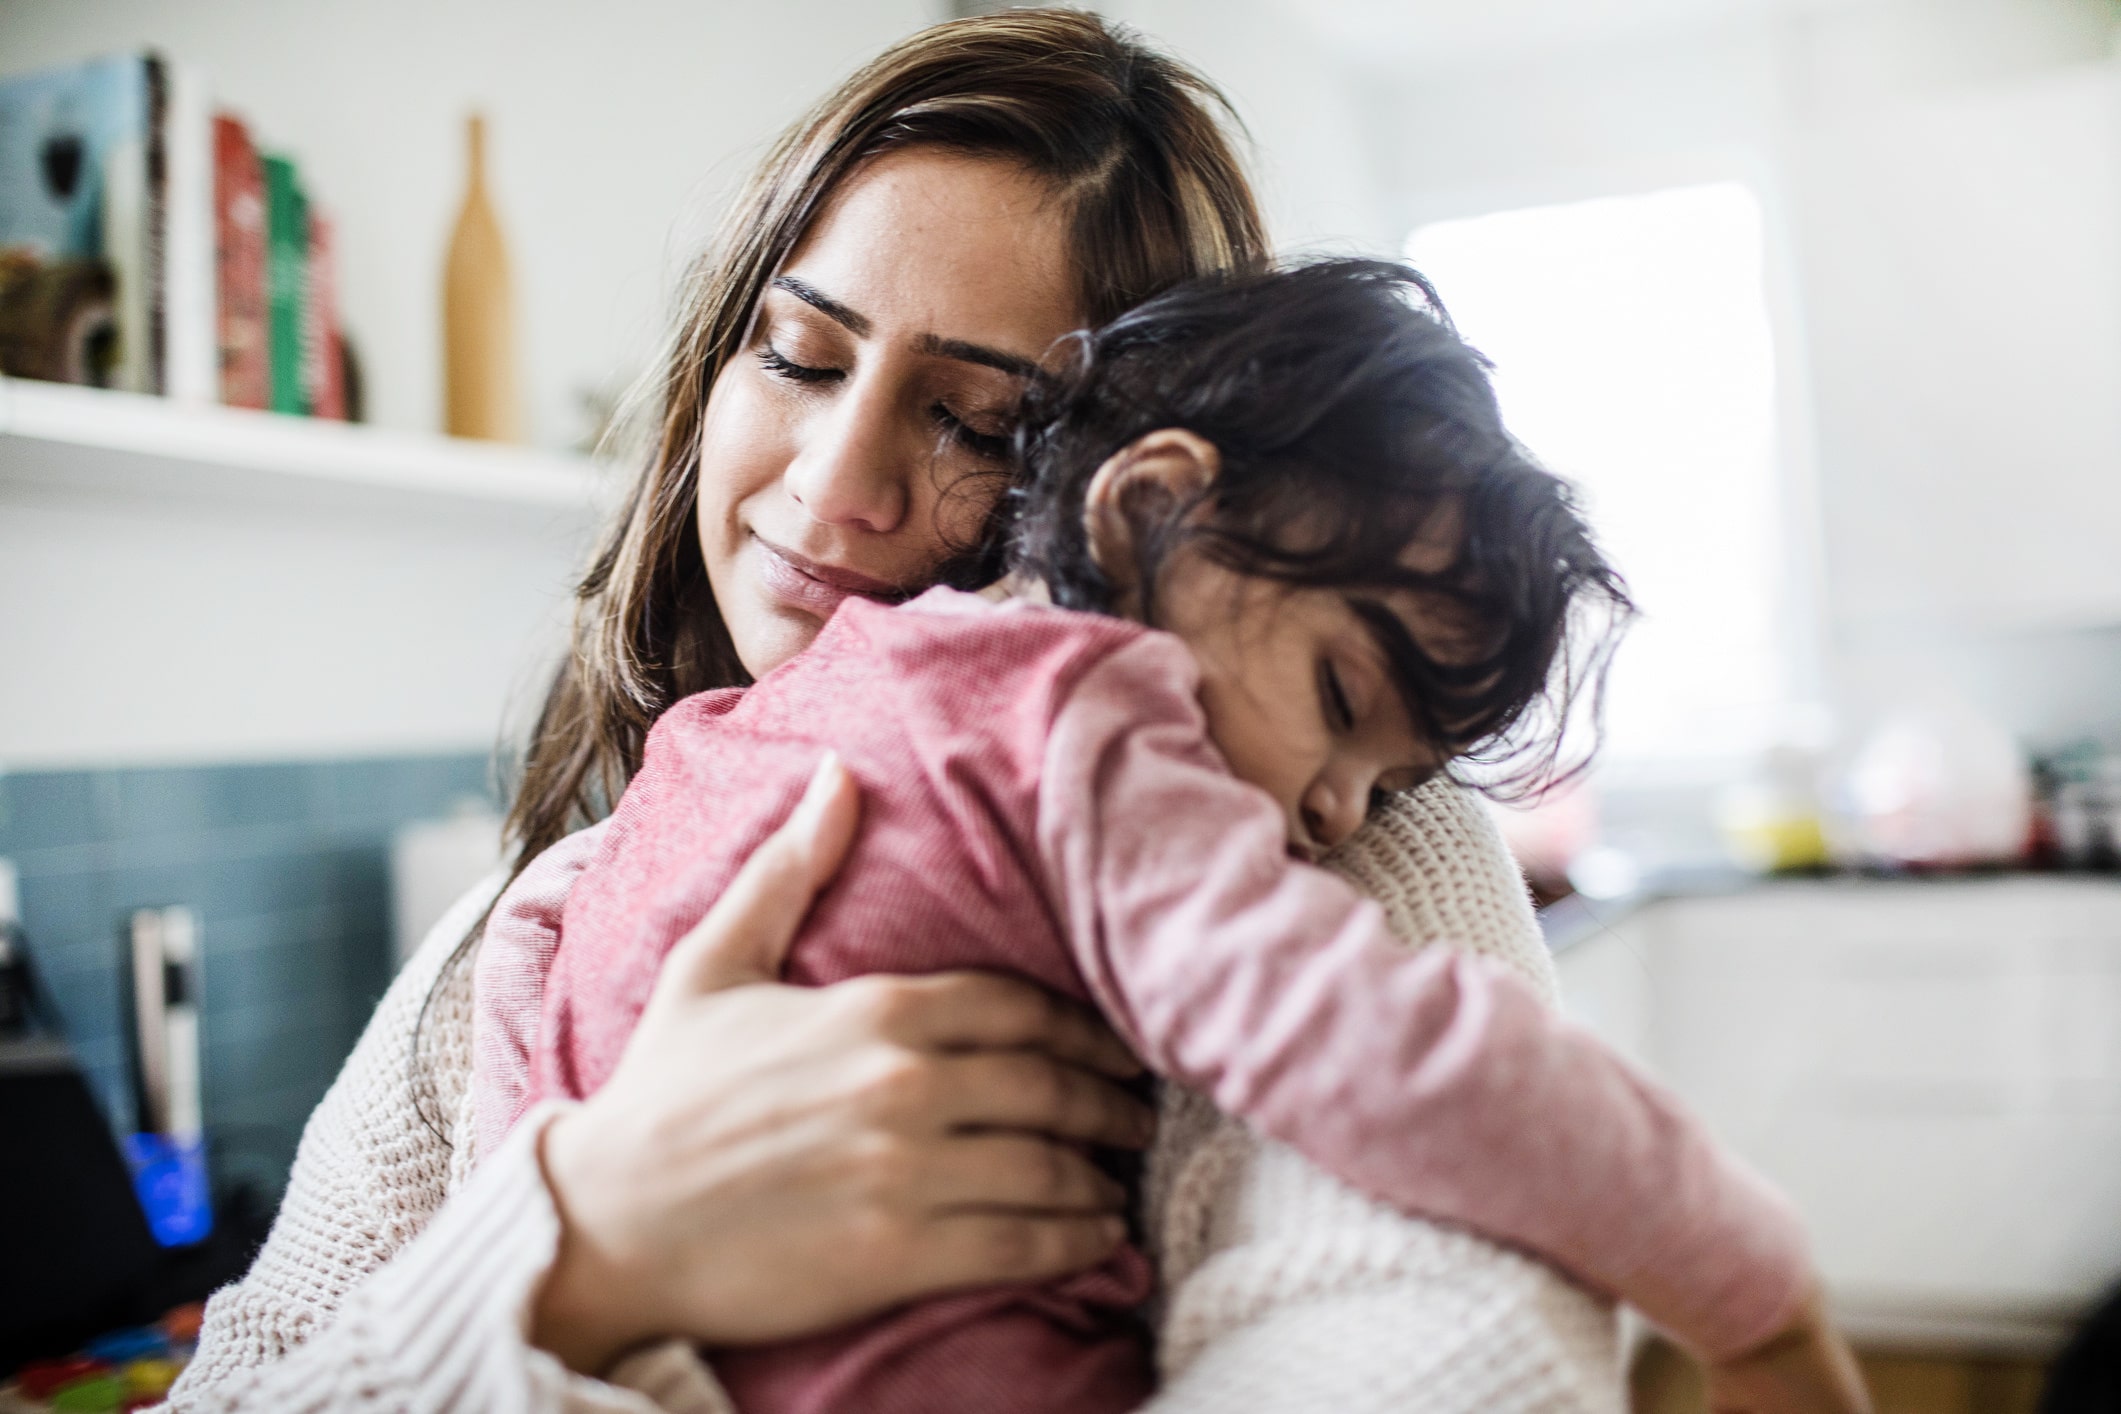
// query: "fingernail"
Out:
[1113,1230]
[821,783]
[828,767]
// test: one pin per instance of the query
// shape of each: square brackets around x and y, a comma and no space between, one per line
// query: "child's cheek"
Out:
[1257,753]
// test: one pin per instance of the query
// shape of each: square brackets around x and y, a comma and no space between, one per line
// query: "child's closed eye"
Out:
[1333,697]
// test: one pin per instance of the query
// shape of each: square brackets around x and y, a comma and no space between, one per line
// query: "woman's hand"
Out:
[770,1161]
[1806,1369]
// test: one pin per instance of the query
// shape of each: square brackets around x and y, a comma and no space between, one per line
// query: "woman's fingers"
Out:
[966,1011]
[977,1248]
[1027,1090]
[1015,1172]
[744,938]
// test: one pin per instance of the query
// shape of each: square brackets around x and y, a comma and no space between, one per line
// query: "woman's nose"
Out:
[849,471]
[1332,811]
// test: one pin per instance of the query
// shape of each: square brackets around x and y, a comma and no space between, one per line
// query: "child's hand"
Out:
[1806,1369]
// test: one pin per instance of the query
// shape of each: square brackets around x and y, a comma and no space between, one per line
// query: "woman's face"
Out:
[855,442]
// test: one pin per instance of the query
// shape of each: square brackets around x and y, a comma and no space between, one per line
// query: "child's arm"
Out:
[508,983]
[1805,1369]
[1434,1080]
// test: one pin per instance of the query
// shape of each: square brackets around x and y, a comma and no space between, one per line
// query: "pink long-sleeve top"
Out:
[1040,795]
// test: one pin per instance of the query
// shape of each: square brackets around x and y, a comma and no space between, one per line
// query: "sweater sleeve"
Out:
[372,1293]
[444,1324]
[508,983]
[1434,1080]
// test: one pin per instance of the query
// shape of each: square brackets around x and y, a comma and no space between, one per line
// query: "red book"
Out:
[322,367]
[239,244]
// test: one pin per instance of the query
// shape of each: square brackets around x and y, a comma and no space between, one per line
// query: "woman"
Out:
[771,1162]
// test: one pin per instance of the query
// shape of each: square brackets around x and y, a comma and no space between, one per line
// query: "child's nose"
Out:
[1331,813]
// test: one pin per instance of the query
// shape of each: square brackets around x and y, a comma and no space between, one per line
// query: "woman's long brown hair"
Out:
[1131,139]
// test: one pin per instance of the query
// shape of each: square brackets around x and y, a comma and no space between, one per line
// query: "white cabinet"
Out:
[1931,1070]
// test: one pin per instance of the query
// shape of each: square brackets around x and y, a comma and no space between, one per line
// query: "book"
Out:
[73,193]
[135,177]
[286,283]
[126,203]
[109,162]
[187,270]
[127,235]
[239,237]
[324,369]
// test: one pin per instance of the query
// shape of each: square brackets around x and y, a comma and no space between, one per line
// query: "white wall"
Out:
[166,630]
[1963,294]
[1310,148]
[614,128]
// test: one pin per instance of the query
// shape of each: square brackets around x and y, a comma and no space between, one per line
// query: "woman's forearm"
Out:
[367,1264]
[445,1323]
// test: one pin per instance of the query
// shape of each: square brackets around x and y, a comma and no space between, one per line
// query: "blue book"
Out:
[59,130]
[83,170]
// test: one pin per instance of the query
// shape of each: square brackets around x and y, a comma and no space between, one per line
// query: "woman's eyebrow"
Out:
[859,326]
[855,324]
[977,353]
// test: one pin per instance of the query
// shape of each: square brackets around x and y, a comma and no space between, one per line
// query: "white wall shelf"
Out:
[60,439]
[187,583]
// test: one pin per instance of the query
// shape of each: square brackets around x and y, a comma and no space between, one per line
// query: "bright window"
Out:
[1632,353]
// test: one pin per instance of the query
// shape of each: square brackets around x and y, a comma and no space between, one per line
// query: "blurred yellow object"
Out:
[1772,823]
[150,1377]
[1775,844]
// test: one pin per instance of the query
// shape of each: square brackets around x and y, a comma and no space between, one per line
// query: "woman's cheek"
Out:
[742,453]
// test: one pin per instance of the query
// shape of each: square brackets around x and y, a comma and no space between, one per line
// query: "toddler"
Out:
[1274,553]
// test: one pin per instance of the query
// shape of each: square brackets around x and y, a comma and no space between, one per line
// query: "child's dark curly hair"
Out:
[1350,417]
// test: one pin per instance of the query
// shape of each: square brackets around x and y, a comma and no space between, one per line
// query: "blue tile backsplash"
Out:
[286,866]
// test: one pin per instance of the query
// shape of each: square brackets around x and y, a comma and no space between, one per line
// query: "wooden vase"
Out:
[478,316]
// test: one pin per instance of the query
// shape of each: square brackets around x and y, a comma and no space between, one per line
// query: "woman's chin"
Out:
[769,634]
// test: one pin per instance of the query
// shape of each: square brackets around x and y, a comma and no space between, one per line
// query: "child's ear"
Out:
[1137,487]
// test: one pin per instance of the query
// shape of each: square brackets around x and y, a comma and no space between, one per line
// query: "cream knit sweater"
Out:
[1286,1291]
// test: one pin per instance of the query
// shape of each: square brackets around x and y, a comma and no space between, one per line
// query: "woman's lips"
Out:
[801,583]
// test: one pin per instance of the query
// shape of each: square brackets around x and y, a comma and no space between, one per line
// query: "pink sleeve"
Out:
[1434,1080]
[508,983]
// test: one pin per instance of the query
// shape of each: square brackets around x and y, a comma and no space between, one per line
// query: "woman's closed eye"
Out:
[994,446]
[781,366]
[988,445]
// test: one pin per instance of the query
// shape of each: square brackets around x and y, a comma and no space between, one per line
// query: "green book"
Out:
[286,282]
